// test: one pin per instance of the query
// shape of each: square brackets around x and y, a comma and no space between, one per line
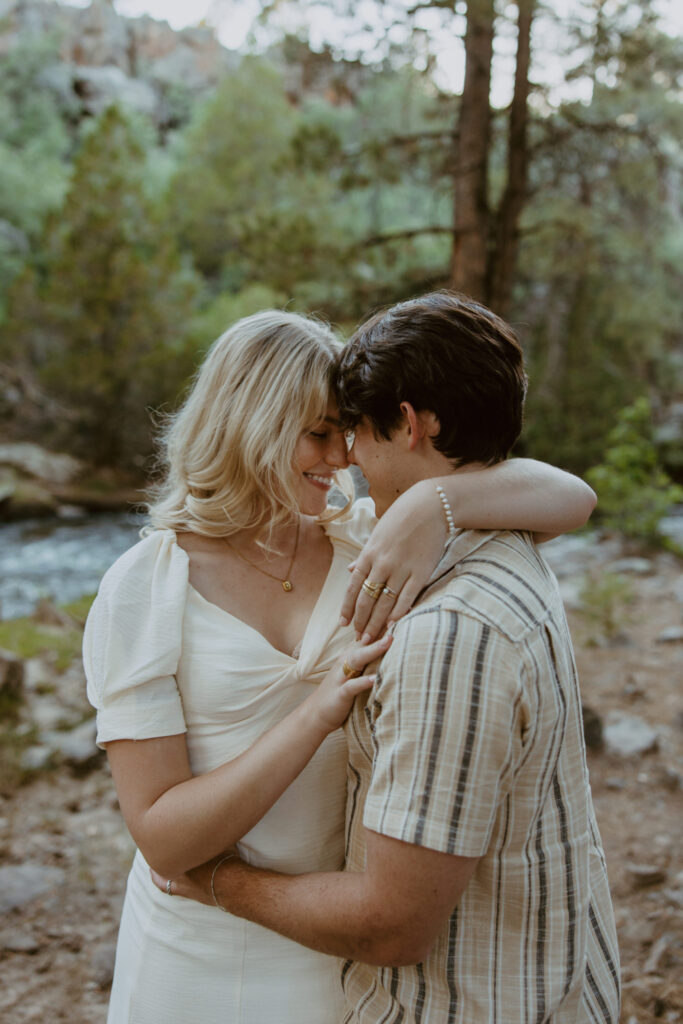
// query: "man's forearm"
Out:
[331,912]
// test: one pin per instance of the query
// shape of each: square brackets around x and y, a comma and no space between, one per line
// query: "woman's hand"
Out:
[217,883]
[193,885]
[402,552]
[332,700]
[407,544]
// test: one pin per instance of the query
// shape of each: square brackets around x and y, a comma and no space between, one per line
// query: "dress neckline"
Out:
[301,646]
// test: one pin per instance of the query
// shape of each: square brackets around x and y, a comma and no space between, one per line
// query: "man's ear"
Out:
[418,425]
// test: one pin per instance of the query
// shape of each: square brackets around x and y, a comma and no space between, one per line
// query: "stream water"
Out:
[59,559]
[63,560]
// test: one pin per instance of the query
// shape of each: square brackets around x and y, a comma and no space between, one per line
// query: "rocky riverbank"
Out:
[37,483]
[64,851]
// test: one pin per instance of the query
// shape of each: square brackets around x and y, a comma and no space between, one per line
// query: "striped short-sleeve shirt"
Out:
[471,743]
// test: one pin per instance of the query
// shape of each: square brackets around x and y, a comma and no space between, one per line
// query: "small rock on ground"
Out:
[22,883]
[628,736]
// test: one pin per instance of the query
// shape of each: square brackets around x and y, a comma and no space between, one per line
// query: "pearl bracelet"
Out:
[447,511]
[228,856]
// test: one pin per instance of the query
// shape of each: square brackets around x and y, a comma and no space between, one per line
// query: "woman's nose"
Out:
[336,452]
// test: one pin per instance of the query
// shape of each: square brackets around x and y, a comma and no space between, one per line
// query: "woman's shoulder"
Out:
[132,641]
[142,594]
[156,563]
[153,547]
[355,525]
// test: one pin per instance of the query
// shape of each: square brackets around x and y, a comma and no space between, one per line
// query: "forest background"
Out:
[156,185]
[141,215]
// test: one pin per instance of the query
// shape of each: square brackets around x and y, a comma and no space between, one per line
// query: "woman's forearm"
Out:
[211,812]
[407,543]
[178,821]
[519,494]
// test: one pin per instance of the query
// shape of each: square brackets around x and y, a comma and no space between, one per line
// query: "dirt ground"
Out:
[56,953]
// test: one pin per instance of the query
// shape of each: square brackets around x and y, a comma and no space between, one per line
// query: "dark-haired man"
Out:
[475,876]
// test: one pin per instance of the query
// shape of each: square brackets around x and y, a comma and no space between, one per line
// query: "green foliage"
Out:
[78,609]
[34,145]
[605,605]
[286,197]
[227,182]
[27,638]
[106,315]
[307,194]
[599,291]
[215,318]
[633,490]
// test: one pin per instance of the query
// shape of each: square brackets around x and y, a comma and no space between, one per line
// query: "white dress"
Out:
[161,660]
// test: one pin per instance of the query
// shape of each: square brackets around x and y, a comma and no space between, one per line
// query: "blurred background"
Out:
[160,179]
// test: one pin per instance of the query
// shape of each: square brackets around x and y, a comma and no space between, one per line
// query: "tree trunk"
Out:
[470,193]
[503,262]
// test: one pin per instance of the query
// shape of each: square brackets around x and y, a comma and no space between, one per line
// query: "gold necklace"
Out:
[286,582]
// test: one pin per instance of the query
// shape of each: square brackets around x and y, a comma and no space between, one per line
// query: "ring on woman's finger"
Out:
[373,590]
[350,672]
[169,887]
[389,592]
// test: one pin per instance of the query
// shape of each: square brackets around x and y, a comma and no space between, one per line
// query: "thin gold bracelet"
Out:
[228,856]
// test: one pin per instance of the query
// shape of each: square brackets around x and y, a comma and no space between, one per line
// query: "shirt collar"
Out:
[461,545]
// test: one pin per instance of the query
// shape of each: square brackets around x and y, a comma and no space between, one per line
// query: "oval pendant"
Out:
[286,585]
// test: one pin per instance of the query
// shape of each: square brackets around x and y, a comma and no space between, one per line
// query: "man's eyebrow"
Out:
[333,421]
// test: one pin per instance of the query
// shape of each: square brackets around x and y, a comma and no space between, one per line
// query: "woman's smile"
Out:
[324,482]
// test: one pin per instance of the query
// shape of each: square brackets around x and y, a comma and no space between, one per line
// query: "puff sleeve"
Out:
[132,642]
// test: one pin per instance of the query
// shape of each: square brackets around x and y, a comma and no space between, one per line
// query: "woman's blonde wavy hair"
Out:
[229,451]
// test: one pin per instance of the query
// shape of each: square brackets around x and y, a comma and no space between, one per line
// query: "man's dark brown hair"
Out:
[444,353]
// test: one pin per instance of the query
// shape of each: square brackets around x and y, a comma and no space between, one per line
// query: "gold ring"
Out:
[373,590]
[349,672]
[389,592]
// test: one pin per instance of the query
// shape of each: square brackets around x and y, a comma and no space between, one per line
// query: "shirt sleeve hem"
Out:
[411,828]
[112,727]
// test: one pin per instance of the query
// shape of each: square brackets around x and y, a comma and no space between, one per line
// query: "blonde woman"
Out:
[221,673]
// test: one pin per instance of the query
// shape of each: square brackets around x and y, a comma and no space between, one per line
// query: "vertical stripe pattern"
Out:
[470,743]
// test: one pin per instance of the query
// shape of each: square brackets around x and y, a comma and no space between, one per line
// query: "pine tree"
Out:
[108,323]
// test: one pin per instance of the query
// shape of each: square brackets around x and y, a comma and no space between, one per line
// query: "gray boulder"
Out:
[53,467]
[77,748]
[628,736]
[672,527]
[671,635]
[19,942]
[21,884]
[36,758]
[637,566]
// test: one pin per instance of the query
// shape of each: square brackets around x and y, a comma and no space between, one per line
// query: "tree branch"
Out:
[551,223]
[397,140]
[555,133]
[394,236]
[401,140]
